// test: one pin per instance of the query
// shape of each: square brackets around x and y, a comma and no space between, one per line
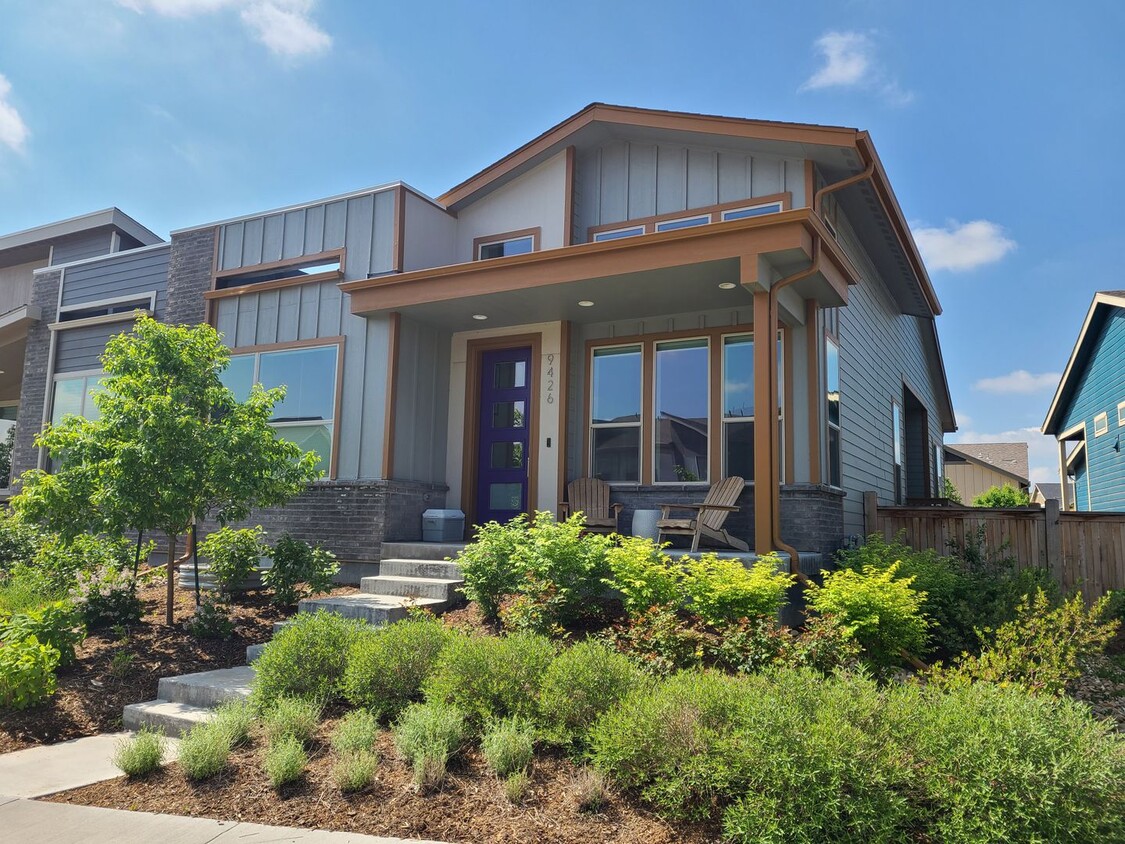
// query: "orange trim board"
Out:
[786,230]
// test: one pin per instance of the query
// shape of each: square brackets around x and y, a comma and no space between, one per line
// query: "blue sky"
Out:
[999,124]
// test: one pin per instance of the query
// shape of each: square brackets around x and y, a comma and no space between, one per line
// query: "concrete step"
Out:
[278,626]
[374,609]
[419,550]
[420,568]
[207,688]
[412,587]
[173,718]
[253,652]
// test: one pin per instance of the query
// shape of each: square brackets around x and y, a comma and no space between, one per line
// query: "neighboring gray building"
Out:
[585,306]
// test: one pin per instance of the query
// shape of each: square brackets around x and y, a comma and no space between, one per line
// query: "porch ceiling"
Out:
[649,275]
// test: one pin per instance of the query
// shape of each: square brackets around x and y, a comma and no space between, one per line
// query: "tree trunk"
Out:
[170,571]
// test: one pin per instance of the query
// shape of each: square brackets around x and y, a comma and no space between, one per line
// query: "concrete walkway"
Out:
[62,823]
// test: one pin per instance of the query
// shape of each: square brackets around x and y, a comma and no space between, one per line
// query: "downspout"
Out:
[814,267]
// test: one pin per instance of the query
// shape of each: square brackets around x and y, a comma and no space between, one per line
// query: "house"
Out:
[1087,413]
[593,303]
[1042,493]
[974,468]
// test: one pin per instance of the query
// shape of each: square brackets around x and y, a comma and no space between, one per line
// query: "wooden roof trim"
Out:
[1051,422]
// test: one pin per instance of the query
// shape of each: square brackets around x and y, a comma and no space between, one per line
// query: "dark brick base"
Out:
[812,515]
[350,518]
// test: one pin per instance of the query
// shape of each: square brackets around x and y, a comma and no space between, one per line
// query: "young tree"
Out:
[172,446]
[1002,496]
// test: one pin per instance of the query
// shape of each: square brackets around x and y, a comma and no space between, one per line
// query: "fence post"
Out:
[870,513]
[1054,540]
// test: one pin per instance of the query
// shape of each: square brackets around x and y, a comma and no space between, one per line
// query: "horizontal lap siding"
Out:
[80,246]
[79,349]
[121,274]
[626,180]
[1100,388]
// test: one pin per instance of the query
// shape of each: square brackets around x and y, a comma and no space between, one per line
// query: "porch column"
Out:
[1064,492]
[765,423]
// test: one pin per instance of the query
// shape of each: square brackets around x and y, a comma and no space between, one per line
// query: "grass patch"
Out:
[285,761]
[356,732]
[204,751]
[427,735]
[354,771]
[292,717]
[140,755]
[508,746]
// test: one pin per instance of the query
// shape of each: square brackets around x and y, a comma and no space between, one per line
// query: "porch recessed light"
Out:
[480,316]
[727,285]
[585,303]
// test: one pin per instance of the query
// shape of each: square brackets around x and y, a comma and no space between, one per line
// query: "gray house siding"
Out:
[627,180]
[79,349]
[121,274]
[430,235]
[421,402]
[77,247]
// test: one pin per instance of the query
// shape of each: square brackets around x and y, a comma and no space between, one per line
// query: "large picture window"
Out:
[681,412]
[306,416]
[74,396]
[615,420]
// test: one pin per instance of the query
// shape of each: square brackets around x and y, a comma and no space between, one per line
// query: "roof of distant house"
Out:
[1050,491]
[1009,458]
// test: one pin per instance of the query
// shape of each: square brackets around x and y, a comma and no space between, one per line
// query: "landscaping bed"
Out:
[469,807]
[92,692]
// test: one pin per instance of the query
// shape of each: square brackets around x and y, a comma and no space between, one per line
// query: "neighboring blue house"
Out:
[1087,415]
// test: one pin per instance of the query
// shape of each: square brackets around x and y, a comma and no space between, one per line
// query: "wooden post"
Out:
[765,434]
[870,513]
[1054,540]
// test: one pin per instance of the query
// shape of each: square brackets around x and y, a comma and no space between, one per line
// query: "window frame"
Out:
[835,473]
[618,234]
[84,375]
[716,372]
[330,463]
[534,234]
[898,450]
[1121,414]
[727,214]
[690,222]
[1103,429]
[639,424]
[713,213]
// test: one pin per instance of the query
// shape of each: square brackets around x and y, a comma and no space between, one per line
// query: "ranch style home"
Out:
[657,299]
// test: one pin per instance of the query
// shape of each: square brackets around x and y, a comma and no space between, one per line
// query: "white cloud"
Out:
[849,62]
[1042,452]
[1020,381]
[285,27]
[959,247]
[13,131]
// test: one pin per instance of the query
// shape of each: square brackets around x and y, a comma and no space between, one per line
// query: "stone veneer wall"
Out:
[812,515]
[189,276]
[33,390]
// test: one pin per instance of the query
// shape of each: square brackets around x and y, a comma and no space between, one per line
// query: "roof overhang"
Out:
[1060,403]
[992,467]
[645,271]
[34,242]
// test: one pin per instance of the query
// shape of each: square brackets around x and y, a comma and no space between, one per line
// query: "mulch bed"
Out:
[470,806]
[91,693]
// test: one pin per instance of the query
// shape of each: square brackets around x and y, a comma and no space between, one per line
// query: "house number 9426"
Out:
[550,379]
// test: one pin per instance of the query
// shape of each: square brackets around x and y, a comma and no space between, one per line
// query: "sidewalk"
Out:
[37,771]
[62,823]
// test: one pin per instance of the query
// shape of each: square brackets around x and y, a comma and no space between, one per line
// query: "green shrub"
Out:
[722,591]
[211,620]
[298,571]
[20,539]
[354,771]
[107,597]
[204,751]
[644,575]
[554,566]
[508,745]
[19,593]
[427,735]
[661,640]
[307,658]
[57,624]
[140,755]
[1002,496]
[882,612]
[516,786]
[235,718]
[581,683]
[490,677]
[27,673]
[292,716]
[285,761]
[58,561]
[823,644]
[356,732]
[1042,649]
[385,670]
[949,491]
[234,555]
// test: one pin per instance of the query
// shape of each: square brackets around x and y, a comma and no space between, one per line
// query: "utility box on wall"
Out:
[443,526]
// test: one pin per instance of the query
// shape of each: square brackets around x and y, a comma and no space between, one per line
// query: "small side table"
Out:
[644,524]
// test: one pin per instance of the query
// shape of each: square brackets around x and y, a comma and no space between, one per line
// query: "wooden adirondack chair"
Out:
[591,497]
[707,523]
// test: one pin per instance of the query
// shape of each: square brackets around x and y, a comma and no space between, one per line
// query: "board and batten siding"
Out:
[119,274]
[364,224]
[881,349]
[421,402]
[1100,388]
[627,180]
[971,479]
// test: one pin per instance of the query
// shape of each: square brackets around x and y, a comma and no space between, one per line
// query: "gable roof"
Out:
[1008,458]
[554,140]
[1104,302]
[1049,491]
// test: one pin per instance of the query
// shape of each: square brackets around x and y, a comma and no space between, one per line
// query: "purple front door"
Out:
[505,404]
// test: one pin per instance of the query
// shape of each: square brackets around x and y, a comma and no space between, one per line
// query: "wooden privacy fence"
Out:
[1081,550]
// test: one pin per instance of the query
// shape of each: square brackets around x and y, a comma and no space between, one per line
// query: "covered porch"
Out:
[631,360]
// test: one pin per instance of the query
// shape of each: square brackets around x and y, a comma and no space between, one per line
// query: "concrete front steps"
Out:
[417,575]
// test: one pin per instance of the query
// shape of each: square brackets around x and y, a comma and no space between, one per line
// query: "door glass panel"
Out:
[509,374]
[508,414]
[505,496]
[507,455]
